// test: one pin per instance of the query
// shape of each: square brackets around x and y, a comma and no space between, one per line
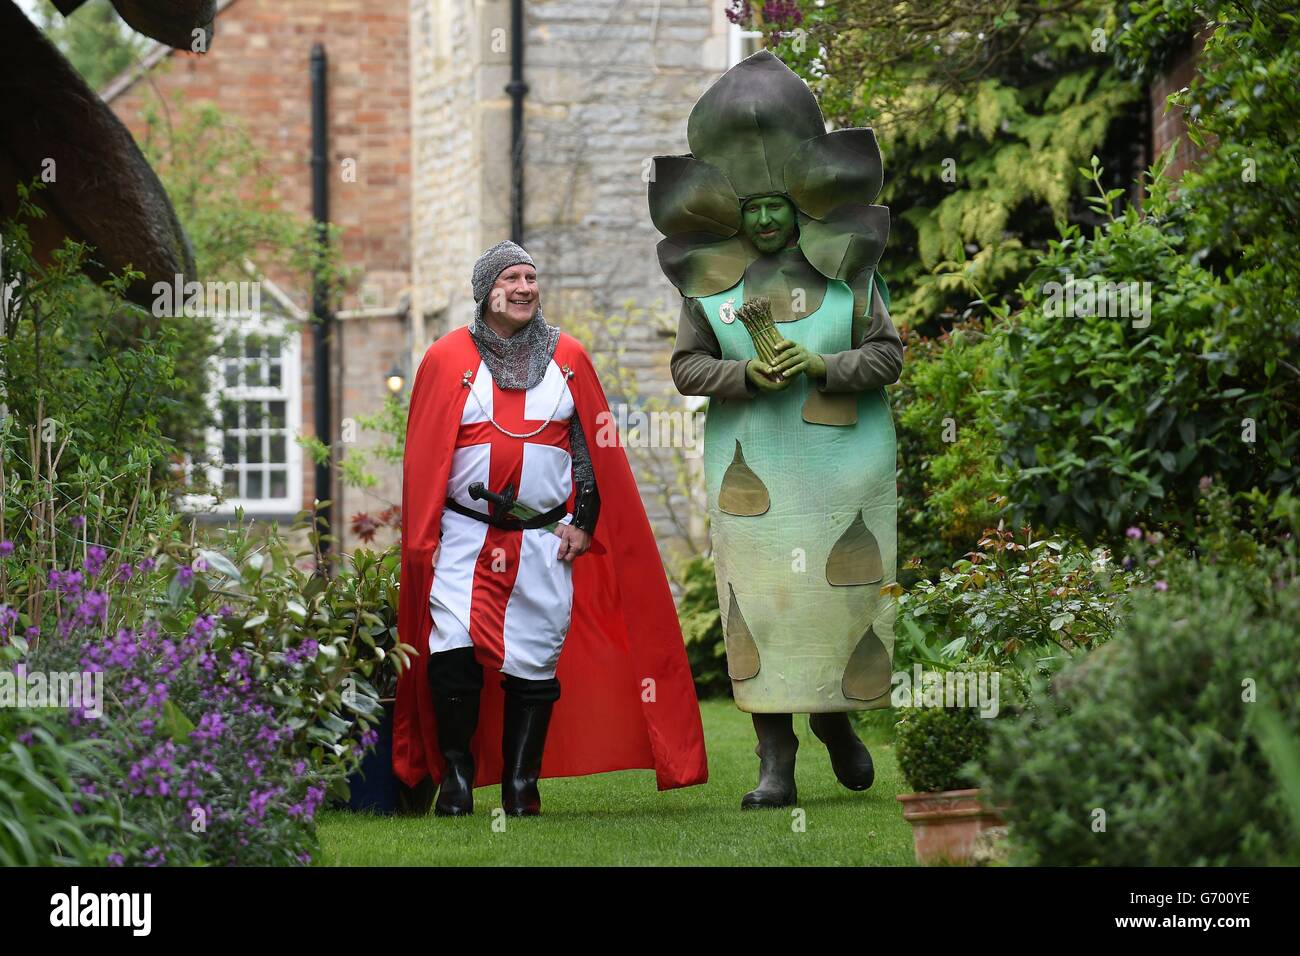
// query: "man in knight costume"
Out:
[522,539]
[773,242]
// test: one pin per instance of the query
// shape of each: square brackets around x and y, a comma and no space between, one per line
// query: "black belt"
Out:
[510,522]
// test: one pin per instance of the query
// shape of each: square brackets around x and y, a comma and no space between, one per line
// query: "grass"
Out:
[620,819]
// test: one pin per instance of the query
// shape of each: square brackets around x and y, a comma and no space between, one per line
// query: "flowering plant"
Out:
[236,678]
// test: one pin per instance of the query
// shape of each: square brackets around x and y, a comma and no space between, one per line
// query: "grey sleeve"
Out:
[582,470]
[877,361]
[697,364]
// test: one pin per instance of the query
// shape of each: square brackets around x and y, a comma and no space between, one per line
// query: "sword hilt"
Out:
[504,501]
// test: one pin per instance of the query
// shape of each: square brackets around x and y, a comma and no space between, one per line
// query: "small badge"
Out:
[727,312]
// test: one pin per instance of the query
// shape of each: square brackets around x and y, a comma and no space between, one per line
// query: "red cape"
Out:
[627,699]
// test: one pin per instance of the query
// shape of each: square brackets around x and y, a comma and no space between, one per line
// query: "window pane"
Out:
[273,374]
[277,414]
[254,375]
[277,450]
[229,414]
[230,483]
[230,449]
[273,348]
[254,479]
[232,374]
[254,415]
[253,448]
[279,484]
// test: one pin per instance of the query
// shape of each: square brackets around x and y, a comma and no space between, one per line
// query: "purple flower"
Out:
[95,558]
[6,548]
[1134,533]
[79,521]
[1161,586]
[184,576]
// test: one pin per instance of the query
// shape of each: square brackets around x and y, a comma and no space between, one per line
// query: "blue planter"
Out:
[373,788]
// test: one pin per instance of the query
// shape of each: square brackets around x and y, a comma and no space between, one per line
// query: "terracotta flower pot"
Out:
[945,824]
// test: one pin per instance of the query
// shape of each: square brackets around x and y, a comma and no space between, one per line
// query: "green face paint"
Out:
[768,222]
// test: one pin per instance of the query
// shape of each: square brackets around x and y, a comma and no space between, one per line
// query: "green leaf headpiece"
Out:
[759,131]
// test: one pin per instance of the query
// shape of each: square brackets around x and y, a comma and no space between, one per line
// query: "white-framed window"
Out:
[741,43]
[256,397]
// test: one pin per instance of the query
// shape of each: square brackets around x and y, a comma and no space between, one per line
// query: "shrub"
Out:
[937,745]
[1016,596]
[1156,730]
[1209,387]
[44,819]
[240,683]
[948,448]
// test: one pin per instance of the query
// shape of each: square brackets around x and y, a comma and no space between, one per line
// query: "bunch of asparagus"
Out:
[756,316]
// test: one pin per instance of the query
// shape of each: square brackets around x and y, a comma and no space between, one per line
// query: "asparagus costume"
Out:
[801,481]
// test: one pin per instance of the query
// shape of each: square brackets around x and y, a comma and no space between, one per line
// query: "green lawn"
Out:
[620,819]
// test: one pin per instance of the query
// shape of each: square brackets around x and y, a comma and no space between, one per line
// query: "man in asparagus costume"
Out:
[773,242]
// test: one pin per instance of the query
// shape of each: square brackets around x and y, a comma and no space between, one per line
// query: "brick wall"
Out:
[1167,123]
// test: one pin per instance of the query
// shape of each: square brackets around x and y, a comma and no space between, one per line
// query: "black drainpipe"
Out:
[321,327]
[517,88]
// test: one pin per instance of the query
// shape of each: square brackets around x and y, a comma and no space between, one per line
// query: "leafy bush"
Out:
[1156,730]
[44,819]
[240,684]
[95,371]
[1165,405]
[937,745]
[1047,598]
[948,449]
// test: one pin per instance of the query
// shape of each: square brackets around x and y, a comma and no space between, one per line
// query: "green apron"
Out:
[803,521]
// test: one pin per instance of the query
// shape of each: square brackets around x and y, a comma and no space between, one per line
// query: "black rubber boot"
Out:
[523,740]
[776,748]
[850,758]
[455,679]
[457,718]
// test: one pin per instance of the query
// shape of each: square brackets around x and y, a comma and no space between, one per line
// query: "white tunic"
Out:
[504,592]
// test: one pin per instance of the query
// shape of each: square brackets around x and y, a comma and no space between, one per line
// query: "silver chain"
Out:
[568,374]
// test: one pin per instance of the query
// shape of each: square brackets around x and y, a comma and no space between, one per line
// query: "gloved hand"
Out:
[792,358]
[759,373]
